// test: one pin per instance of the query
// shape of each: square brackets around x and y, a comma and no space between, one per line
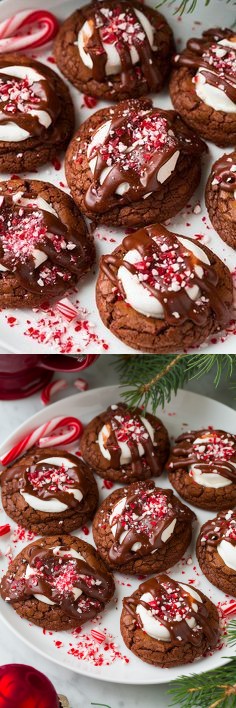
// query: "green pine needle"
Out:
[213,689]
[185,5]
[153,379]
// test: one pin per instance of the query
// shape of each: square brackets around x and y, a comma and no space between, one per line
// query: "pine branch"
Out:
[185,5]
[153,379]
[214,689]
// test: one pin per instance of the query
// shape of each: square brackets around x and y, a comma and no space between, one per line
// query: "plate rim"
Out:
[44,653]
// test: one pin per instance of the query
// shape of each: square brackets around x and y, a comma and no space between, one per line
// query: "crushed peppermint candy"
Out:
[52,478]
[119,24]
[223,59]
[214,447]
[171,606]
[18,95]
[145,512]
[130,429]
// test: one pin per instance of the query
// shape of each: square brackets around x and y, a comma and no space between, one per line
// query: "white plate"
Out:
[187,408]
[16,338]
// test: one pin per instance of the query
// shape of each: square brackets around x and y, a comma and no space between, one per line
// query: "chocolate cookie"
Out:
[216,551]
[166,623]
[133,164]
[202,468]
[161,292]
[58,583]
[44,244]
[203,85]
[142,529]
[125,446]
[221,198]
[49,491]
[37,114]
[115,49]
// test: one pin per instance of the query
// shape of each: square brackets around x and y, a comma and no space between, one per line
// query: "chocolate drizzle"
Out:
[122,424]
[172,605]
[147,513]
[201,54]
[217,455]
[141,140]
[107,23]
[160,253]
[224,173]
[56,577]
[222,528]
[18,97]
[26,228]
[46,480]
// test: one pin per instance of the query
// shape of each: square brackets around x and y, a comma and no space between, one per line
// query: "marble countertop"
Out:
[82,691]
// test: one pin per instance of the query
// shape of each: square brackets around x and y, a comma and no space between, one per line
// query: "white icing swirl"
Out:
[113,64]
[53,505]
[140,297]
[154,627]
[117,511]
[213,96]
[10,131]
[57,552]
[227,552]
[125,457]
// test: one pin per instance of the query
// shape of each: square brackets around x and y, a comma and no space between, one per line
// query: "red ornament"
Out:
[25,687]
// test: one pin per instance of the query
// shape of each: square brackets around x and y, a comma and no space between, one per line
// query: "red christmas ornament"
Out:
[24,687]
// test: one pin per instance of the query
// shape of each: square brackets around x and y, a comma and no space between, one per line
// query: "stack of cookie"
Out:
[142,529]
[131,164]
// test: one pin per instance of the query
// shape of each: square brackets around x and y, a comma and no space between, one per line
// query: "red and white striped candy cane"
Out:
[40,436]
[52,388]
[44,27]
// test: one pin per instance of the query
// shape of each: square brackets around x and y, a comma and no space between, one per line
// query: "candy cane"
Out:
[46,27]
[67,309]
[52,388]
[40,436]
[229,609]
[81,384]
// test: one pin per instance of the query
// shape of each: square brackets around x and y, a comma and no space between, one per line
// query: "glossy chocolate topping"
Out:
[127,426]
[18,97]
[141,140]
[120,26]
[57,577]
[46,480]
[224,173]
[222,528]
[214,455]
[147,513]
[217,62]
[166,269]
[24,229]
[172,606]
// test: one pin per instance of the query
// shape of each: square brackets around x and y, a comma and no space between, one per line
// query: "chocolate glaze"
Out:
[48,568]
[143,169]
[23,481]
[43,97]
[222,172]
[147,530]
[150,457]
[179,630]
[63,262]
[216,530]
[171,301]
[183,455]
[146,56]
[192,58]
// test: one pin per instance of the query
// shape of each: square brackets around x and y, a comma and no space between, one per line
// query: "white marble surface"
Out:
[79,690]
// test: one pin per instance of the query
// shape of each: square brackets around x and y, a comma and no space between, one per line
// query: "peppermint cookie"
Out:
[58,583]
[142,529]
[216,551]
[166,623]
[114,49]
[44,244]
[221,198]
[202,468]
[133,164]
[203,85]
[160,292]
[37,115]
[49,491]
[125,446]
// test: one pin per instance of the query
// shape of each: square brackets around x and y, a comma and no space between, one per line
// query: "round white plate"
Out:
[187,410]
[47,331]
